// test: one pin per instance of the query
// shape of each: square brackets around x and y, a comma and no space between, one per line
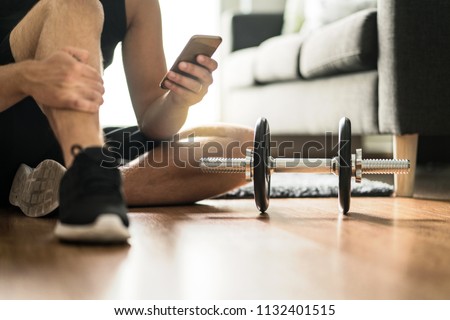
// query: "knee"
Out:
[87,12]
[240,141]
[246,134]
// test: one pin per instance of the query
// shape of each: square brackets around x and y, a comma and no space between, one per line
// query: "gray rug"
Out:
[297,185]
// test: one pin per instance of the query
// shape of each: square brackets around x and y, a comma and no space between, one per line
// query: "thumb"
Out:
[79,54]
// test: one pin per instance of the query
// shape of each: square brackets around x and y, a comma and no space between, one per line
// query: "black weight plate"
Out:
[345,164]
[261,172]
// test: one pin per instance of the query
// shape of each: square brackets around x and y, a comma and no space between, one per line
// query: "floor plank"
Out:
[387,248]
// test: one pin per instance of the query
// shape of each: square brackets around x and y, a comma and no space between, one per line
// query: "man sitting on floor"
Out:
[52,54]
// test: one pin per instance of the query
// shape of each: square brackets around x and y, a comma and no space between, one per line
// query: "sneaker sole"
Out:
[107,228]
[36,191]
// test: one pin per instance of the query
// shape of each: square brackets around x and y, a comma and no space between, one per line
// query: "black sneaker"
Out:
[36,191]
[91,203]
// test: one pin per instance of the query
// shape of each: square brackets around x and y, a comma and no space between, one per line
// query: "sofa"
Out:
[387,69]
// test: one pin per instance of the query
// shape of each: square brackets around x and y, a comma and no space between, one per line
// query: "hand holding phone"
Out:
[197,45]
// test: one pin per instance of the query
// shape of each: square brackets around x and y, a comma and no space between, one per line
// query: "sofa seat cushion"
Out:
[238,68]
[347,45]
[310,107]
[277,59]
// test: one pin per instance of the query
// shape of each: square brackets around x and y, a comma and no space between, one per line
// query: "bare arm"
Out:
[63,80]
[160,113]
[12,84]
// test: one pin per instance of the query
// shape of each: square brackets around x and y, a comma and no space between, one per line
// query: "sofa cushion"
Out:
[277,59]
[238,68]
[347,45]
[318,13]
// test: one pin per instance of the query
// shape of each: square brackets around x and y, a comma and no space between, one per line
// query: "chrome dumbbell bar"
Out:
[306,165]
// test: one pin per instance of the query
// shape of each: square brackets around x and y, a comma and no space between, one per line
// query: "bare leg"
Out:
[91,206]
[170,174]
[51,26]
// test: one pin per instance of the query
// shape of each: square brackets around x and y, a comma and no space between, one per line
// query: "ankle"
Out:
[101,155]
[71,152]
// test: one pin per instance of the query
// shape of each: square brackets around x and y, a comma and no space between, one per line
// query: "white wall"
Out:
[226,5]
[181,20]
[264,5]
[253,5]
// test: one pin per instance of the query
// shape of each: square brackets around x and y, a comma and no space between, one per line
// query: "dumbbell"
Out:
[258,165]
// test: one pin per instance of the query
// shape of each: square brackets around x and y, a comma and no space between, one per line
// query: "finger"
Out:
[179,90]
[96,86]
[91,73]
[85,99]
[201,73]
[92,95]
[91,91]
[82,56]
[192,85]
[79,54]
[207,62]
[83,105]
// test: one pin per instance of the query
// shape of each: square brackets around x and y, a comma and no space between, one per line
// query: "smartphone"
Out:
[198,44]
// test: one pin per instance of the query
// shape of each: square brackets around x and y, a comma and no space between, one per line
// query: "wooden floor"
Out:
[387,248]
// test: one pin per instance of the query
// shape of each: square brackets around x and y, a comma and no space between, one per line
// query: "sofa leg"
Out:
[405,147]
